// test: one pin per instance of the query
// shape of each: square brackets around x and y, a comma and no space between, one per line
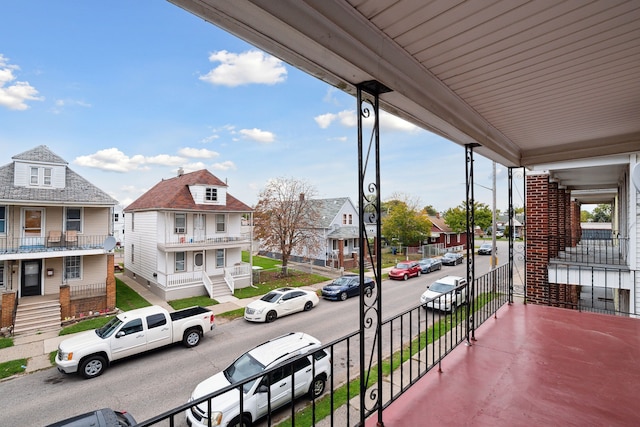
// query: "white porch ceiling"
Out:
[531,81]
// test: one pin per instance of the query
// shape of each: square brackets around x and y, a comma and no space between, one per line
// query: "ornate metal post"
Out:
[470,201]
[511,212]
[369,213]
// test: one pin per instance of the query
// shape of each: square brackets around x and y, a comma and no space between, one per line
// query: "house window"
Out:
[350,219]
[180,261]
[219,258]
[74,219]
[47,176]
[72,268]
[115,217]
[198,259]
[3,219]
[344,219]
[220,224]
[34,176]
[180,223]
[132,222]
[211,194]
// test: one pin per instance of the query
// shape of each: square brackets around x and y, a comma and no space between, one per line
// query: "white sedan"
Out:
[280,302]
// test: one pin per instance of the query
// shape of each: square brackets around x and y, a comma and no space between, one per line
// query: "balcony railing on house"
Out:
[186,241]
[188,278]
[413,343]
[62,242]
[599,249]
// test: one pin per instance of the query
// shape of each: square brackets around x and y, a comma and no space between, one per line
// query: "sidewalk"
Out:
[36,348]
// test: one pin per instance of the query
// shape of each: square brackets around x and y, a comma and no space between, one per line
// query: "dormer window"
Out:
[40,176]
[211,194]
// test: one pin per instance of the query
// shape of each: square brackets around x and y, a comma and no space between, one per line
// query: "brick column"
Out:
[65,302]
[111,283]
[8,302]
[537,214]
[340,253]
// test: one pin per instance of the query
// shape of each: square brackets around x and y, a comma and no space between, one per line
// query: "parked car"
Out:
[500,233]
[445,294]
[131,332]
[100,418]
[485,249]
[404,270]
[346,286]
[452,258]
[310,375]
[430,264]
[280,302]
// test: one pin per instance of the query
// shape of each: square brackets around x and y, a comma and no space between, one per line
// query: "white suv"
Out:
[307,379]
[445,294]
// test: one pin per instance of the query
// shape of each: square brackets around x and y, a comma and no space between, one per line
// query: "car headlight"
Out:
[259,310]
[63,356]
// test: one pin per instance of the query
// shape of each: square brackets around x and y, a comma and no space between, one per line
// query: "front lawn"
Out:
[270,280]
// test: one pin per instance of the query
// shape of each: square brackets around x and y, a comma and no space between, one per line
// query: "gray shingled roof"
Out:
[328,209]
[77,189]
[349,232]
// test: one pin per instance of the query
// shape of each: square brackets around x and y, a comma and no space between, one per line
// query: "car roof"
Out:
[284,346]
[451,280]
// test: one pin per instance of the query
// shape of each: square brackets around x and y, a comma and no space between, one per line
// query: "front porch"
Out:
[216,285]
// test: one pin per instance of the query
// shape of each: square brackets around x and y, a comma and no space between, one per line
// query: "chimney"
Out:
[438,215]
[302,197]
[180,171]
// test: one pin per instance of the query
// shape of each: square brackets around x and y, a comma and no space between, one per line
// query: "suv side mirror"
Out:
[262,389]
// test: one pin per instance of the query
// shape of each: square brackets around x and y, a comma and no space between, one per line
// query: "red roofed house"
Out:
[441,233]
[184,238]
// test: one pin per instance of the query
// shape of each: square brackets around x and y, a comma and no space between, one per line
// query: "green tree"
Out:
[430,210]
[407,225]
[602,213]
[456,218]
[586,216]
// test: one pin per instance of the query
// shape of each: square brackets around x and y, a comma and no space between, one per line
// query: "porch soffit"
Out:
[532,82]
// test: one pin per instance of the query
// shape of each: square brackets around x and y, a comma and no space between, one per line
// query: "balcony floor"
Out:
[533,365]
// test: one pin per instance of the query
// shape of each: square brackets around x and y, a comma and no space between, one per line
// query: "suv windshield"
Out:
[244,367]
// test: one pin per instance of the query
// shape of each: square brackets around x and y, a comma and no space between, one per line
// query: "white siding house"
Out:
[184,237]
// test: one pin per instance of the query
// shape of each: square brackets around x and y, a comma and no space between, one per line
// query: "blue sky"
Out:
[129,91]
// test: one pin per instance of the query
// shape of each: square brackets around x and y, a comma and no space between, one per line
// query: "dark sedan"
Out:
[345,287]
[430,264]
[452,258]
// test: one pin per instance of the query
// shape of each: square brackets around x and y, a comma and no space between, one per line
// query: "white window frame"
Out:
[180,265]
[79,221]
[220,258]
[77,266]
[34,175]
[3,220]
[47,176]
[223,223]
[180,229]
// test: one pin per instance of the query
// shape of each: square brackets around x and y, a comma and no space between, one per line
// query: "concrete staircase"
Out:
[220,289]
[37,315]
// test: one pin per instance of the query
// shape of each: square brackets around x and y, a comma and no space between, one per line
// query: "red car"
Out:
[404,270]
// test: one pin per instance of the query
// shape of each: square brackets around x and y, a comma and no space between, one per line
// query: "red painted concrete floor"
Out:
[532,366]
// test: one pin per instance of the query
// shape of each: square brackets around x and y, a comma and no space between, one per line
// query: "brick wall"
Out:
[537,214]
[110,302]
[6,315]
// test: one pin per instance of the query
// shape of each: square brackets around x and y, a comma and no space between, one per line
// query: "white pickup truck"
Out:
[131,332]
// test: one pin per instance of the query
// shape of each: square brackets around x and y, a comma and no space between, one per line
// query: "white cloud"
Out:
[258,135]
[114,160]
[198,153]
[348,118]
[224,166]
[59,104]
[192,167]
[164,159]
[14,95]
[237,69]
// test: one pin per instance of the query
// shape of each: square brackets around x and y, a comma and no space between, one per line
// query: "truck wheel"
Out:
[93,366]
[271,316]
[240,422]
[317,387]
[191,338]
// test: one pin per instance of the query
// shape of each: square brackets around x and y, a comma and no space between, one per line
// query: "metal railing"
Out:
[592,288]
[213,240]
[414,342]
[604,251]
[87,290]
[19,245]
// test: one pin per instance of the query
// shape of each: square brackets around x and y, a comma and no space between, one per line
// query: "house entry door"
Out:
[199,232]
[32,227]
[198,261]
[31,278]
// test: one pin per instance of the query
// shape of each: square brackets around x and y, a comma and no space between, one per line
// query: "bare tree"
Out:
[286,219]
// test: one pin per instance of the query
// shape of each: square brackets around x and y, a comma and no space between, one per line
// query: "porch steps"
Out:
[36,317]
[220,289]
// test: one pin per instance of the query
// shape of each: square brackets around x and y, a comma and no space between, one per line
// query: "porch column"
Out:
[538,228]
[562,220]
[552,219]
[340,253]
[8,302]
[111,282]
